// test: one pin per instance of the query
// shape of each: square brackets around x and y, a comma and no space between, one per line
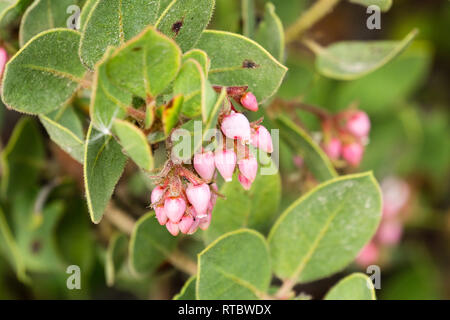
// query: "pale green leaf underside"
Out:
[188,290]
[349,60]
[239,61]
[66,130]
[112,23]
[270,33]
[103,166]
[150,245]
[323,231]
[356,286]
[256,208]
[184,21]
[384,5]
[235,266]
[146,65]
[43,15]
[116,255]
[134,143]
[316,160]
[45,73]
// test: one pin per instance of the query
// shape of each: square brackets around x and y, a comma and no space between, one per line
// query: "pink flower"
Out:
[333,148]
[390,232]
[261,139]
[199,196]
[213,201]
[3,60]
[353,153]
[245,183]
[236,126]
[173,228]
[157,194]
[185,224]
[225,161]
[204,165]
[358,124]
[396,194]
[368,255]
[205,222]
[249,167]
[249,102]
[174,208]
[194,227]
[161,215]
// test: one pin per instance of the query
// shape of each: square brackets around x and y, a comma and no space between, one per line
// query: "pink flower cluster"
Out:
[396,194]
[345,135]
[183,201]
[3,60]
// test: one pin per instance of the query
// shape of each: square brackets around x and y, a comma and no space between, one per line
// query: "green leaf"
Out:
[356,286]
[316,160]
[85,12]
[43,15]
[150,245]
[235,266]
[270,33]
[239,61]
[255,209]
[112,23]
[10,10]
[248,17]
[103,166]
[171,112]
[108,102]
[22,158]
[65,129]
[323,231]
[8,246]
[115,257]
[134,142]
[188,290]
[349,60]
[200,56]
[34,83]
[198,93]
[384,5]
[184,21]
[145,65]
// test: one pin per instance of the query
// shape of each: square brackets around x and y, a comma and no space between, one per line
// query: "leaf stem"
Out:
[320,9]
[126,224]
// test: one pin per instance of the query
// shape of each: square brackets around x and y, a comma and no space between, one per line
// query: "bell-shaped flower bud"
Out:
[194,226]
[199,196]
[261,139]
[161,215]
[205,222]
[368,255]
[249,167]
[185,224]
[3,60]
[236,126]
[225,161]
[174,208]
[358,124]
[333,148]
[173,228]
[157,194]
[390,232]
[249,102]
[353,153]
[204,165]
[245,183]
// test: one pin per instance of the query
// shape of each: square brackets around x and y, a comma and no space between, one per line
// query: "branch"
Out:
[320,9]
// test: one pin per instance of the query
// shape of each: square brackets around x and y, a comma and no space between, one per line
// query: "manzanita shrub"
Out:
[195,110]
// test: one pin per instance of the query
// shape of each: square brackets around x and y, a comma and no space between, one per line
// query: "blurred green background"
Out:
[408,101]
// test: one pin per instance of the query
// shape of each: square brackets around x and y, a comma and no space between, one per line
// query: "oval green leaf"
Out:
[134,142]
[384,5]
[356,286]
[112,23]
[270,33]
[239,61]
[188,290]
[35,84]
[349,60]
[10,10]
[234,267]
[103,165]
[323,231]
[116,255]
